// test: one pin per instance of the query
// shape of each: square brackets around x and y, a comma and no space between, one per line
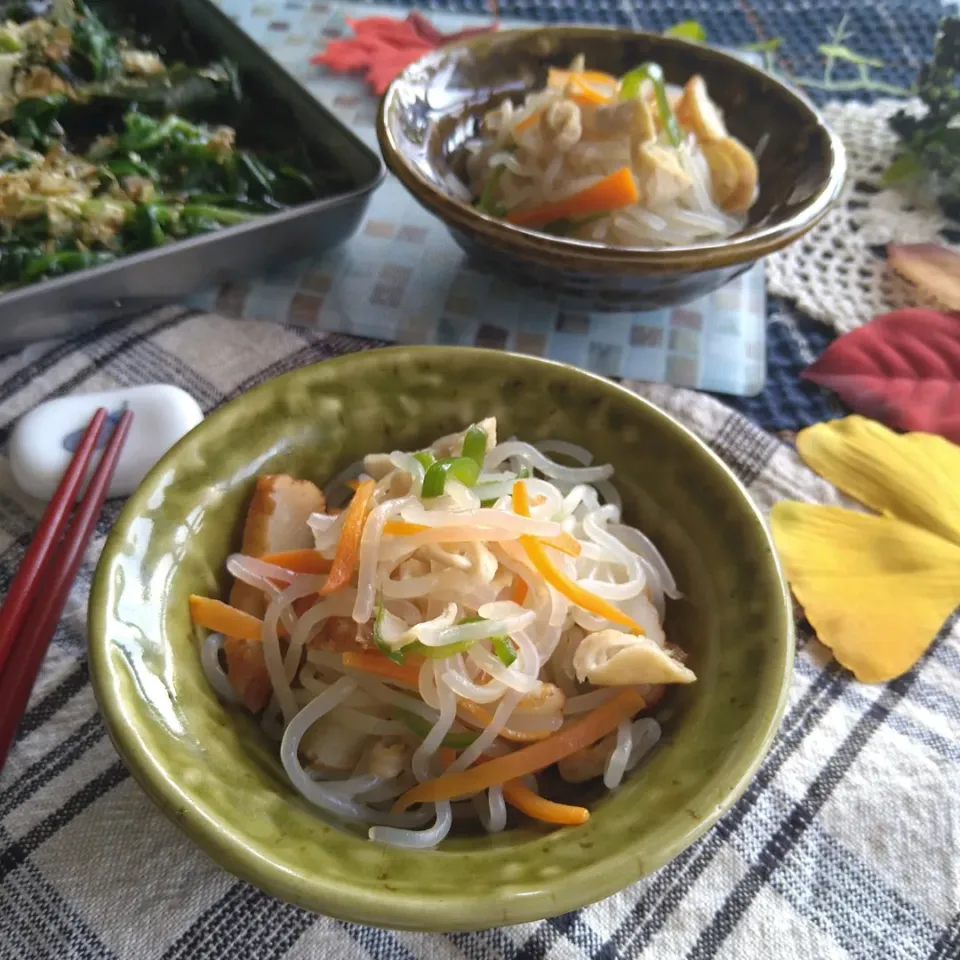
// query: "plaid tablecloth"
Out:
[846,844]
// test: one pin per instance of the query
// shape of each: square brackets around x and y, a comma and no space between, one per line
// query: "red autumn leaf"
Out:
[344,55]
[902,369]
[934,269]
[381,47]
[381,26]
[380,74]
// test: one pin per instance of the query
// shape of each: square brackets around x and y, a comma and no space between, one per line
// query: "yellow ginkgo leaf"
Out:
[914,477]
[875,590]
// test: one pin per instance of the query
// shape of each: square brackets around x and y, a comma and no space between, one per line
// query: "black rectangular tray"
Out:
[131,284]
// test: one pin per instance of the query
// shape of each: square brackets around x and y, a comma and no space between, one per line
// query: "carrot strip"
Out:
[380,666]
[537,756]
[611,193]
[533,805]
[400,528]
[479,715]
[300,561]
[562,542]
[583,91]
[558,580]
[526,801]
[518,591]
[222,618]
[348,546]
[528,122]
[560,78]
[352,484]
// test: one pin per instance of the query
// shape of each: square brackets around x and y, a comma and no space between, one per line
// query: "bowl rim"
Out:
[596,879]
[545,248]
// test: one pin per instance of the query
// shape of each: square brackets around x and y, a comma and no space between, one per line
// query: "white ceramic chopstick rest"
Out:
[45,439]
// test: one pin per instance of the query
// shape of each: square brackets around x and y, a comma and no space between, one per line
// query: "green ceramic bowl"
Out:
[210,769]
[435,105]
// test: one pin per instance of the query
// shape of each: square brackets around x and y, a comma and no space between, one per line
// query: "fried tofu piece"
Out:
[247,672]
[276,520]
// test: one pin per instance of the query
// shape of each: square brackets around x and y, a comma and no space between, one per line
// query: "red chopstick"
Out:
[45,538]
[49,586]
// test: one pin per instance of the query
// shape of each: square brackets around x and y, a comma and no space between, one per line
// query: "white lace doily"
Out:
[832,273]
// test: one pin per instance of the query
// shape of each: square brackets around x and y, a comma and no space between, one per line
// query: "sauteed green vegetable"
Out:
[106,148]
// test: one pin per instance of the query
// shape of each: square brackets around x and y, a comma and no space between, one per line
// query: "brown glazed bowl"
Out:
[433,107]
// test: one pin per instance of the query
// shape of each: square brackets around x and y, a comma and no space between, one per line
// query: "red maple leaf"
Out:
[902,369]
[381,47]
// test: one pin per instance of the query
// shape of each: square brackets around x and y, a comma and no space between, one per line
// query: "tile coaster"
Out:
[402,278]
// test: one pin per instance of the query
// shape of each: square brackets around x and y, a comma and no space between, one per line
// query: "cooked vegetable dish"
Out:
[108,148]
[629,161]
[476,622]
